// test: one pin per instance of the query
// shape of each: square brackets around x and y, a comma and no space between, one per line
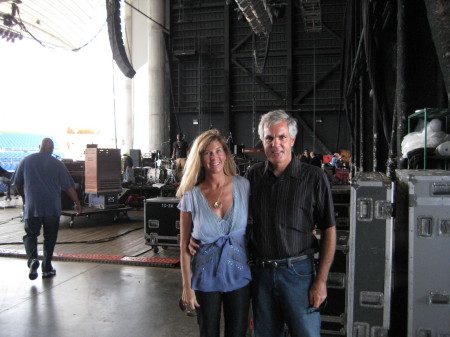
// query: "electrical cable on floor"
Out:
[4,222]
[111,238]
[144,252]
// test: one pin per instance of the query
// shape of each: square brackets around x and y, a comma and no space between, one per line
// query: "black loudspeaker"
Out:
[137,158]
[147,162]
[115,38]
[238,149]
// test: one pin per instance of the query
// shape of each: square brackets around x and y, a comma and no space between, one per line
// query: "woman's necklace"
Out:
[218,203]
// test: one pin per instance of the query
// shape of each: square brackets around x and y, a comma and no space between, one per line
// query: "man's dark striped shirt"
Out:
[284,210]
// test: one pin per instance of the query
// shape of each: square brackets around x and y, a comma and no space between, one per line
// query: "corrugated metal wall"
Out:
[213,79]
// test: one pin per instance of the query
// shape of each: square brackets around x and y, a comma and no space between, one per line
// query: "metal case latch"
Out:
[438,298]
[440,189]
[361,329]
[364,209]
[372,299]
[424,226]
[444,227]
[152,223]
[379,331]
[383,209]
[336,280]
[153,238]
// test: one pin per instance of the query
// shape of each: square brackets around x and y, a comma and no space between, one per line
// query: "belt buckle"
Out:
[269,264]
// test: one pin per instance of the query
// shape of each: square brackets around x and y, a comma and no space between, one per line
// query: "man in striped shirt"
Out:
[288,200]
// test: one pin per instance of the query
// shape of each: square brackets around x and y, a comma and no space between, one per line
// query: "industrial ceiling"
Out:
[54,24]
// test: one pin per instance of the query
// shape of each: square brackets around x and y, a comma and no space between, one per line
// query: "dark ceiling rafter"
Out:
[332,32]
[245,39]
[285,77]
[318,82]
[234,59]
[258,79]
[310,131]
[303,95]
[437,11]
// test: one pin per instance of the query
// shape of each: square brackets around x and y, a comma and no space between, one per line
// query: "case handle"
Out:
[438,298]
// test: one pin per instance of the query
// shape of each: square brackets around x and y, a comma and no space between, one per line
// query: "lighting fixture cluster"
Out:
[258,15]
[9,21]
[9,35]
[312,15]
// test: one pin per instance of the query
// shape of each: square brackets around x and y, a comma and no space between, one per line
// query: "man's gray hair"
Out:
[274,117]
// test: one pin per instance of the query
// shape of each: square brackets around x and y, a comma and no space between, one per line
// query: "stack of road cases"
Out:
[423,206]
[370,256]
[162,222]
[333,314]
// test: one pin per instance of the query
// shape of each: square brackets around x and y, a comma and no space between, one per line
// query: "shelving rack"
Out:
[426,114]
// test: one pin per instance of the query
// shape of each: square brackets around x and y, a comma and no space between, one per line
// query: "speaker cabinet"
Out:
[115,38]
[136,157]
[103,171]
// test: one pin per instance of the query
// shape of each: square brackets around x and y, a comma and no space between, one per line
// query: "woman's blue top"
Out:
[221,263]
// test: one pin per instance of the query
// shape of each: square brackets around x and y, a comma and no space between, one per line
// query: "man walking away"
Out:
[39,179]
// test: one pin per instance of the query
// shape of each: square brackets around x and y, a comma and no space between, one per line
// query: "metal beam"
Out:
[332,32]
[317,83]
[289,58]
[245,39]
[356,63]
[437,12]
[227,123]
[260,82]
[311,132]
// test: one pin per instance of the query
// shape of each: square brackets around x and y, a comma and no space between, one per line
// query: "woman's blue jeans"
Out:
[281,295]
[33,229]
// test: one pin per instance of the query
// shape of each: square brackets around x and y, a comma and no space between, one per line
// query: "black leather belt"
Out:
[282,263]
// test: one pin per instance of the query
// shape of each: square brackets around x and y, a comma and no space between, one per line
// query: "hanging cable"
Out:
[24,28]
[93,38]
[253,94]
[314,93]
[132,109]
[114,102]
[160,25]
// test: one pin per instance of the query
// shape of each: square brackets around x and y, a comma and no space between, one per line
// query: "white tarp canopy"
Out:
[66,24]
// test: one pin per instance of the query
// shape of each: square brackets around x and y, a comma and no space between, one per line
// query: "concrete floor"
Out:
[90,299]
[97,298]
[84,299]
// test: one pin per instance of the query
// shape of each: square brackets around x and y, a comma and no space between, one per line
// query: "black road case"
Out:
[370,256]
[162,222]
[334,313]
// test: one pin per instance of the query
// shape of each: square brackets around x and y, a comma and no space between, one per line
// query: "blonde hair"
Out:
[193,172]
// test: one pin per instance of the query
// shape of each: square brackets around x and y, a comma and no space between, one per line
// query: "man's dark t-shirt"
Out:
[128,162]
[180,149]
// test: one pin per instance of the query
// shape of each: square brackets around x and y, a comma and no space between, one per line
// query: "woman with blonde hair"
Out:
[214,210]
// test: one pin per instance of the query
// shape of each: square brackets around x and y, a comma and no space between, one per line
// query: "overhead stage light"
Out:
[312,15]
[7,30]
[258,15]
